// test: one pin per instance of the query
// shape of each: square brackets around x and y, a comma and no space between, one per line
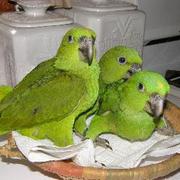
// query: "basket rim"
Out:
[152,171]
[69,169]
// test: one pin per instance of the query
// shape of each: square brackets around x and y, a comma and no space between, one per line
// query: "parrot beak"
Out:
[135,68]
[155,105]
[87,49]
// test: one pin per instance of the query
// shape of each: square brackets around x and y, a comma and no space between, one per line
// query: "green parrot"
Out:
[4,90]
[134,107]
[116,66]
[47,101]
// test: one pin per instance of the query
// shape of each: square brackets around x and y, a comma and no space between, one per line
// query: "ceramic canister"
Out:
[115,22]
[29,37]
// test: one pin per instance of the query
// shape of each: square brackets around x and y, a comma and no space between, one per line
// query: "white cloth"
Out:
[125,154]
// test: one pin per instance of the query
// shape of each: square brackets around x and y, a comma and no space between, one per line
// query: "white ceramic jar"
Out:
[29,37]
[115,22]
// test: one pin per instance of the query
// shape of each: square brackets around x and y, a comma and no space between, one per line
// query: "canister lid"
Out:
[35,14]
[103,5]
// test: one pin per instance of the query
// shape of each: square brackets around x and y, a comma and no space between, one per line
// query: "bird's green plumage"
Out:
[153,83]
[111,70]
[47,101]
[112,74]
[4,90]
[124,108]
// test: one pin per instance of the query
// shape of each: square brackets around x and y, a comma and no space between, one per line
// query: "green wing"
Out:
[44,95]
[4,90]
[29,80]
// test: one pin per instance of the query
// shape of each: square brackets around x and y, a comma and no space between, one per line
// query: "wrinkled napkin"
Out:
[124,154]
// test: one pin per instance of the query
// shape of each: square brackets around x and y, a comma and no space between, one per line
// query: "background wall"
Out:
[163,56]
[162,21]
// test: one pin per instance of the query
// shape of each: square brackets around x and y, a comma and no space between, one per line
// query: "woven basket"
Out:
[69,170]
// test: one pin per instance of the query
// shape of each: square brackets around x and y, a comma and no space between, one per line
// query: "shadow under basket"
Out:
[69,170]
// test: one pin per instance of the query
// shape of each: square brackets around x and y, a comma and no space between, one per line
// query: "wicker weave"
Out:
[69,170]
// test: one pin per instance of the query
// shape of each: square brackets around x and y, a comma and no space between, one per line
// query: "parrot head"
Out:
[118,63]
[145,91]
[77,48]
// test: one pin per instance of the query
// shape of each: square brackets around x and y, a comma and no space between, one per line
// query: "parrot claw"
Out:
[79,135]
[102,164]
[167,130]
[103,143]
[98,142]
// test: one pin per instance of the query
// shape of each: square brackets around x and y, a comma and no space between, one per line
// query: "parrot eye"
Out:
[122,60]
[141,87]
[70,39]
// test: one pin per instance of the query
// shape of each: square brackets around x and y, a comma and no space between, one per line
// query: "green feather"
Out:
[47,101]
[111,70]
[123,110]
[112,74]
[4,90]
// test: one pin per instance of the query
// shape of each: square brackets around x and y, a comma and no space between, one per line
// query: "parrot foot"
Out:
[79,135]
[102,164]
[103,143]
[98,142]
[167,130]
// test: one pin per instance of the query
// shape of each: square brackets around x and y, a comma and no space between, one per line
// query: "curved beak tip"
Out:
[87,50]
[136,67]
[156,105]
